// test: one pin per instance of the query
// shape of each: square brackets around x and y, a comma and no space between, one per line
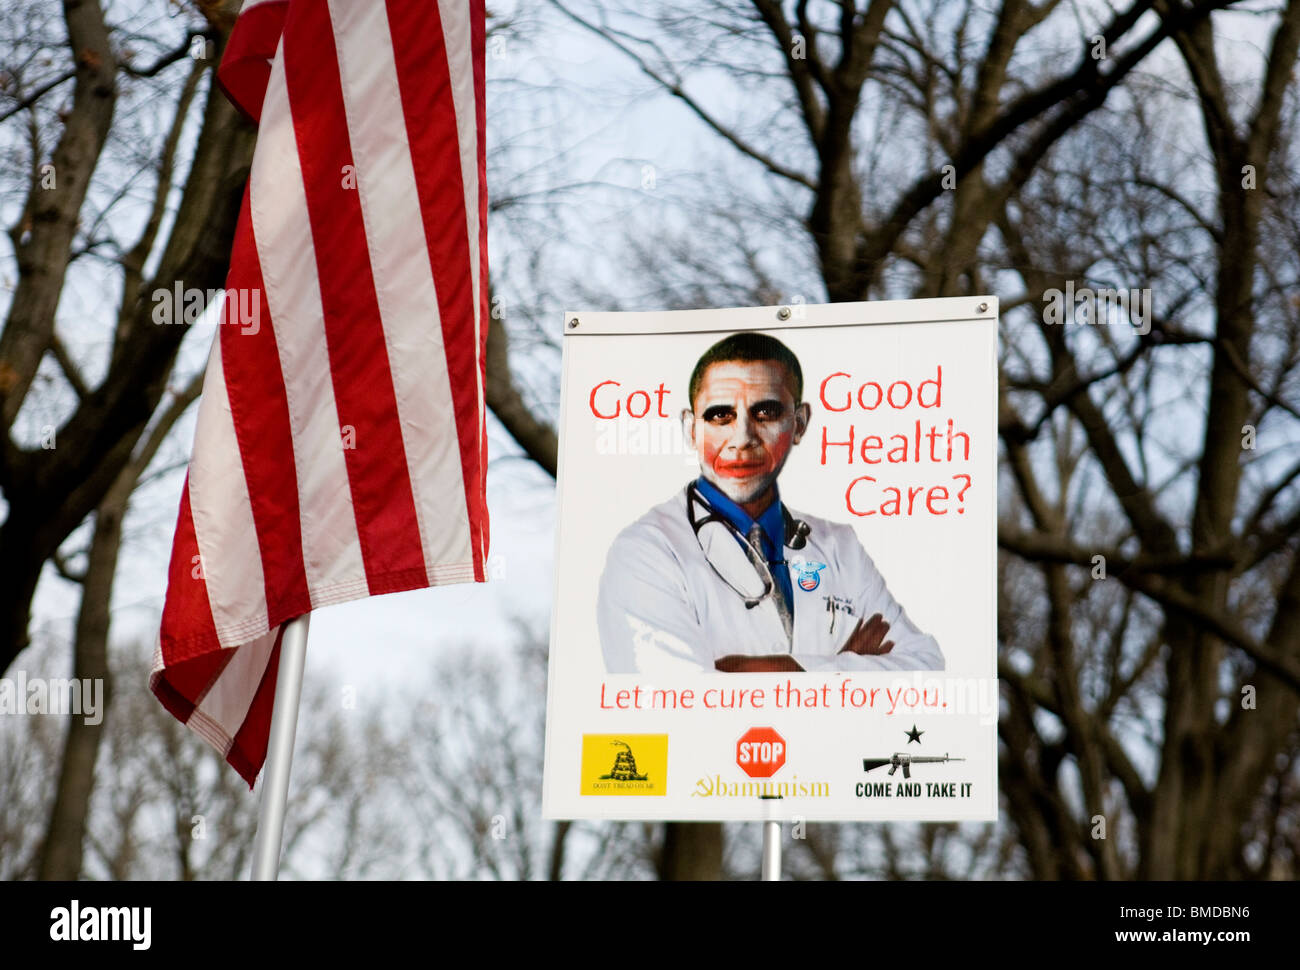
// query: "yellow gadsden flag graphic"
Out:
[624,764]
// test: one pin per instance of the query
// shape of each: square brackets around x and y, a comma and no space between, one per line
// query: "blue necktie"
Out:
[755,538]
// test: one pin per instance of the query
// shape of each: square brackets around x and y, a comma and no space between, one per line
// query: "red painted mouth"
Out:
[740,469]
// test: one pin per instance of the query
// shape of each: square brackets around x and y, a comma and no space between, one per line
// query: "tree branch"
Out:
[804,72]
[1080,92]
[536,437]
[43,260]
[674,88]
[69,367]
[171,57]
[39,93]
[67,572]
[133,262]
[1150,583]
[1280,71]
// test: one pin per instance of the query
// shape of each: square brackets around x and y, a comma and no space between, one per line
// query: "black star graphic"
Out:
[914,735]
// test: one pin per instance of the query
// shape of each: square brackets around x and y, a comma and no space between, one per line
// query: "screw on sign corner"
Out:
[760,752]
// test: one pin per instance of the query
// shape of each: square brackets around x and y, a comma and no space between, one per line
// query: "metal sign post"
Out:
[771,871]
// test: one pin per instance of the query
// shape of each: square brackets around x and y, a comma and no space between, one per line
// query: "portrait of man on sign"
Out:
[724,576]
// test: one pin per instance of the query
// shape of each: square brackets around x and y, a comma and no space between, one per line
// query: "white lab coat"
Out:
[663,610]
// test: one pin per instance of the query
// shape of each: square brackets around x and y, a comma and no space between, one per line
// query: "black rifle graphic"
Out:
[904,761]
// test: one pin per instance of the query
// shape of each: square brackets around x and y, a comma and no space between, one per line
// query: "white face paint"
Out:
[743,423]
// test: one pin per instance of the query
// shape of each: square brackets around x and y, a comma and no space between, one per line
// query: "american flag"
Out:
[340,448]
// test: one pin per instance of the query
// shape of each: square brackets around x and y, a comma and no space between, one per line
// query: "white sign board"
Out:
[775,577]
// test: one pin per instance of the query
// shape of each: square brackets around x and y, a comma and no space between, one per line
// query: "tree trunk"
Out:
[555,870]
[691,851]
[61,853]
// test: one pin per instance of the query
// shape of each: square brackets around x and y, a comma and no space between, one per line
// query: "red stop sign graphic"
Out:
[760,752]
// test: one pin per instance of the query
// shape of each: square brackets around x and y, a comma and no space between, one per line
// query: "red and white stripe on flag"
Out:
[340,449]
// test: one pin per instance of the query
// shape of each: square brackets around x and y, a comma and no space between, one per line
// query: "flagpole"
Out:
[279,754]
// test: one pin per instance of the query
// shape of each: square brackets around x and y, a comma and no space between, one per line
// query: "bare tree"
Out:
[63,87]
[29,743]
[1199,527]
[61,856]
[166,806]
[109,200]
[998,162]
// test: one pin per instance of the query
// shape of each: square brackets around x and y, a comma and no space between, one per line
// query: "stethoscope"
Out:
[796,537]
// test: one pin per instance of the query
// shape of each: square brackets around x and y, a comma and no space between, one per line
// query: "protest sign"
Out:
[775,592]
